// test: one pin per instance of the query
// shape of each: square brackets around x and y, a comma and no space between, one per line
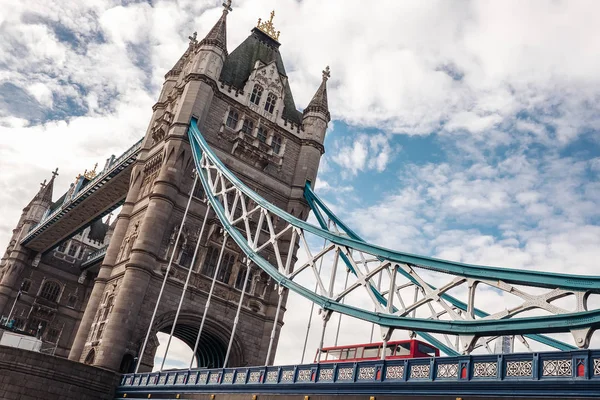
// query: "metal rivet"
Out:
[306,397]
[149,395]
[124,394]
[372,398]
[178,395]
[253,397]
[212,397]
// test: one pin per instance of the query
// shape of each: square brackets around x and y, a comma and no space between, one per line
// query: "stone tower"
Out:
[246,112]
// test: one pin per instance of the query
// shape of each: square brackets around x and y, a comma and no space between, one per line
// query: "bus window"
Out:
[351,353]
[371,352]
[333,355]
[423,348]
[403,349]
[389,350]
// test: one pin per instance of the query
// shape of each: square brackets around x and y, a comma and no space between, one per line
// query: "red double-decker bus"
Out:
[372,351]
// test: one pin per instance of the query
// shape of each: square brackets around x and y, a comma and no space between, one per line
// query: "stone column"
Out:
[141,264]
[105,270]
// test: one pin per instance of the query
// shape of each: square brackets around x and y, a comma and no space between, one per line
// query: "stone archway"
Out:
[213,342]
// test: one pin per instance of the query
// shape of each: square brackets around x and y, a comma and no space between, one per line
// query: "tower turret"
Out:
[16,256]
[314,121]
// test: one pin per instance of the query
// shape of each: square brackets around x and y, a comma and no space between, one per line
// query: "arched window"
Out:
[232,119]
[239,280]
[62,247]
[262,134]
[270,104]
[108,307]
[50,291]
[248,126]
[226,266]
[89,359]
[256,94]
[73,249]
[276,144]
[210,262]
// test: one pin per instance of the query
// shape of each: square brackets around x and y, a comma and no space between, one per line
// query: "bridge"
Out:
[223,227]
[458,327]
[396,284]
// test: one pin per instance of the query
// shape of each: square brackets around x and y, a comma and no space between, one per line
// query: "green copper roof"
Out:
[239,65]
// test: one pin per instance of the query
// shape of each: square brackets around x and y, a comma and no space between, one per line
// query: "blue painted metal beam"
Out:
[517,326]
[316,205]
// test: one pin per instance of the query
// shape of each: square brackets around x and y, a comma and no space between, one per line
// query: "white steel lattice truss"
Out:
[398,286]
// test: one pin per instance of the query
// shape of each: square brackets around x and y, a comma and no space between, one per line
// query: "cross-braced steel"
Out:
[392,289]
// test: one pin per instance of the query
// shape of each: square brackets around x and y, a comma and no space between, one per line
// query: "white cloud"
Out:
[366,152]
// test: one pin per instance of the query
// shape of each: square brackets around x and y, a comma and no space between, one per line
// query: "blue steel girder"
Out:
[317,205]
[226,192]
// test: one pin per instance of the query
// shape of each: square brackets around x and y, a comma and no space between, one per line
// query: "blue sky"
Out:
[463,130]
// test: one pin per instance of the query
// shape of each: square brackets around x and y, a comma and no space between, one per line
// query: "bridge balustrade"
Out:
[581,365]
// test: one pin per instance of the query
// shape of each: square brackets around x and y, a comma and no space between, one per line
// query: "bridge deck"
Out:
[573,374]
[99,197]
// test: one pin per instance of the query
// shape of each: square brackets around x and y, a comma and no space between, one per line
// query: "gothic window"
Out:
[50,291]
[52,335]
[239,280]
[73,250]
[262,134]
[276,144]
[232,119]
[37,325]
[248,126]
[72,301]
[63,247]
[198,191]
[226,266]
[26,285]
[270,104]
[100,331]
[89,359]
[108,308]
[184,258]
[210,262]
[256,94]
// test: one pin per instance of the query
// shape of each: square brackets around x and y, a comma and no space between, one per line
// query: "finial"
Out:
[326,73]
[193,38]
[268,28]
[91,174]
[43,184]
[227,6]
[55,173]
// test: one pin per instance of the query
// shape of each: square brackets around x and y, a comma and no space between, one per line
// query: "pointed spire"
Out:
[217,36]
[46,189]
[319,100]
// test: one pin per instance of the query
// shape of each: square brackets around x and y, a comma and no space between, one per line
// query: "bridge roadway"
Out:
[548,375]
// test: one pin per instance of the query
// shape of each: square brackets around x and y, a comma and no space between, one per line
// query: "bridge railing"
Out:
[94,256]
[557,366]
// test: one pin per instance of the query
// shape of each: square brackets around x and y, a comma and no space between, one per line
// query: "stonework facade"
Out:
[245,110]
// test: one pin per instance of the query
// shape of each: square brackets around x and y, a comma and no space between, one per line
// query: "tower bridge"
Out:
[212,238]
